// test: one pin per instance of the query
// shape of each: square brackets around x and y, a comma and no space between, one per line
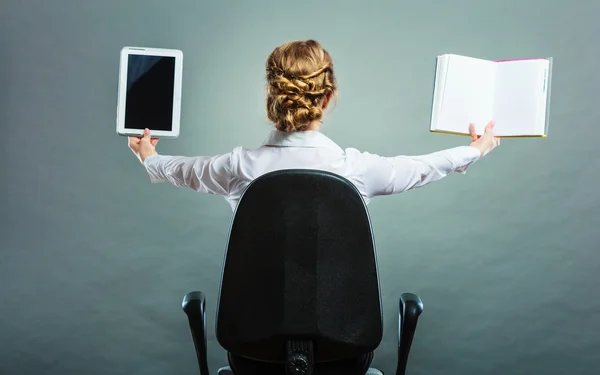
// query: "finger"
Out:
[146,134]
[154,141]
[473,132]
[490,126]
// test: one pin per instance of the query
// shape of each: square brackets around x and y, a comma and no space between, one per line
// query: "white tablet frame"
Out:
[122,92]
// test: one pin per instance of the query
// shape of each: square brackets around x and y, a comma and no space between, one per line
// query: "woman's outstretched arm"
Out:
[393,175]
[206,174]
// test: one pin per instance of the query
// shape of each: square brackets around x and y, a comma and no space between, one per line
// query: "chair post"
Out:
[300,359]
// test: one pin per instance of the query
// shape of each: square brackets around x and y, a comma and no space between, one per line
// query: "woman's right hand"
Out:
[487,142]
[142,147]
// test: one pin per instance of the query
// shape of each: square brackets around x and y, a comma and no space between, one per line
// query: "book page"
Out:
[520,97]
[468,95]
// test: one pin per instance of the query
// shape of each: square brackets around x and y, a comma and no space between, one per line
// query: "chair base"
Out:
[227,371]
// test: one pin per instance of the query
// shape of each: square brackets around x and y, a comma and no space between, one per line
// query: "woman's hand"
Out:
[487,142]
[142,147]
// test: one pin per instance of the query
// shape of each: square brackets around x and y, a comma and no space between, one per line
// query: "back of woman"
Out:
[300,87]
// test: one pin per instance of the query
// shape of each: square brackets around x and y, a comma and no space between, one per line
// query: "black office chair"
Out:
[300,288]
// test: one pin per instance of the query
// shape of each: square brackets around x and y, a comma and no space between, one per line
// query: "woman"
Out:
[301,84]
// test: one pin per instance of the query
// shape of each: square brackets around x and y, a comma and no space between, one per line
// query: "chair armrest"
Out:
[194,306]
[410,309]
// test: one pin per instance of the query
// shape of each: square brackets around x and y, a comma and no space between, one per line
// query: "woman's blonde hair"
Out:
[299,77]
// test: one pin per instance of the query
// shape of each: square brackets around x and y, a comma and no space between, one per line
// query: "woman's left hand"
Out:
[143,147]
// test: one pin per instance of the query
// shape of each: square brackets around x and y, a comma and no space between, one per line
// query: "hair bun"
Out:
[299,76]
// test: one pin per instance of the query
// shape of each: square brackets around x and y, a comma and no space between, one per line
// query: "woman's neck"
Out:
[314,125]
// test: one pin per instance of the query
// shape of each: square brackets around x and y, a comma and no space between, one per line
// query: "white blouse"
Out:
[373,175]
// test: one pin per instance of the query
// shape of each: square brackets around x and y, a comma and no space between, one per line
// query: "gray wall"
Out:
[94,259]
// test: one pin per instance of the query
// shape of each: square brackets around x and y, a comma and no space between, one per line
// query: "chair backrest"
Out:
[300,265]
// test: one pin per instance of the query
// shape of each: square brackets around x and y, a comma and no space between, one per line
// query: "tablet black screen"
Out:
[150,87]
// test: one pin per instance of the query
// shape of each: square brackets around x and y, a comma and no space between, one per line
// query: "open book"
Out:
[514,93]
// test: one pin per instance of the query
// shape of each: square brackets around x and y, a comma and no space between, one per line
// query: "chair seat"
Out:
[227,371]
[349,366]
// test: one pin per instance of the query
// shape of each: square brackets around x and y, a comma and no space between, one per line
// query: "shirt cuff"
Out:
[470,155]
[151,163]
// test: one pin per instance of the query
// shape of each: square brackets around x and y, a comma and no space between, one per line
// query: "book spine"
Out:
[433,114]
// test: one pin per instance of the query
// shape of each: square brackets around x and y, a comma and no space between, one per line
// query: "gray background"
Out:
[95,259]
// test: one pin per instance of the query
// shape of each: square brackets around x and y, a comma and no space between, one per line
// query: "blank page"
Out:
[520,97]
[468,95]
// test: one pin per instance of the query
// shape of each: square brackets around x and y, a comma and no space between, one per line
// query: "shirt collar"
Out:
[306,138]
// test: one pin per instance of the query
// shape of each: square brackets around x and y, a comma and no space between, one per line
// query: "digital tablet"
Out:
[149,92]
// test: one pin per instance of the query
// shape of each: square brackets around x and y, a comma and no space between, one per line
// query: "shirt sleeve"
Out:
[393,175]
[205,174]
